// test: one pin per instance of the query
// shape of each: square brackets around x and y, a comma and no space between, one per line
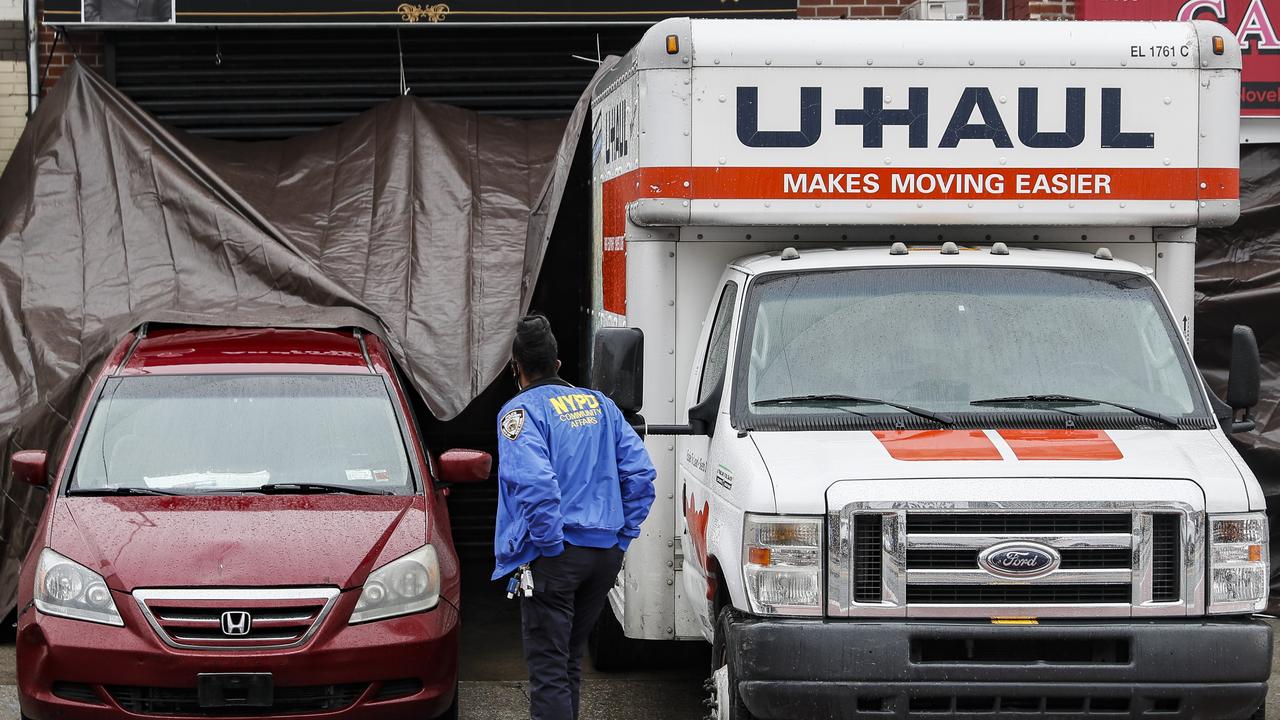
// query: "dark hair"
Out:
[535,349]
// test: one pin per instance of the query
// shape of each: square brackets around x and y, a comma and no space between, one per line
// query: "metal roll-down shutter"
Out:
[279,82]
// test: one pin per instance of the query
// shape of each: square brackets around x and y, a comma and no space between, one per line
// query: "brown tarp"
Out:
[1238,282]
[423,223]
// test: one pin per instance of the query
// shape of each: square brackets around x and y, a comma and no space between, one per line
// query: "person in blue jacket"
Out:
[574,484]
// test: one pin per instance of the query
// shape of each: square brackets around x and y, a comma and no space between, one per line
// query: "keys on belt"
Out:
[521,583]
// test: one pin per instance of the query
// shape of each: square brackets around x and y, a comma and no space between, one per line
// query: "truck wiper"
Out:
[123,490]
[834,399]
[314,487]
[1074,400]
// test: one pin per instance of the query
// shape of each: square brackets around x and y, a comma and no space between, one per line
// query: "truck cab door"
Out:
[707,381]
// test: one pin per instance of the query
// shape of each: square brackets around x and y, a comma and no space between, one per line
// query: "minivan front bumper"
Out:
[1188,669]
[402,667]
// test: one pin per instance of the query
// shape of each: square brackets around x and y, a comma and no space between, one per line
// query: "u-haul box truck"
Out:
[915,303]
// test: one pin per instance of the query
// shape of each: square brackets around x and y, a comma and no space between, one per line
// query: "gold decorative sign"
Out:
[414,13]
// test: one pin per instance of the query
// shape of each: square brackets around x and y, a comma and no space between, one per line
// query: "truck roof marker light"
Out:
[898,248]
[790,254]
[1219,45]
[950,248]
[999,249]
[673,44]
[1104,254]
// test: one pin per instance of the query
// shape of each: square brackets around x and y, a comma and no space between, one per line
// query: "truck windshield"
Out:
[965,342]
[221,434]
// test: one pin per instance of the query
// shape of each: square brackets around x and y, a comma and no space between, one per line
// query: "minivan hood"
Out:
[804,464]
[237,540]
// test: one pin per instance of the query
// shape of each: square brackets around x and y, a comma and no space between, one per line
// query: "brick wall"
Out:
[988,9]
[87,45]
[13,85]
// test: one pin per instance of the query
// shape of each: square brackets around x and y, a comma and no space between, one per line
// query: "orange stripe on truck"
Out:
[937,444]
[1061,444]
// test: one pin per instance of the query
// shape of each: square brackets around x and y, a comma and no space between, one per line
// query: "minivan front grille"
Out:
[285,700]
[236,619]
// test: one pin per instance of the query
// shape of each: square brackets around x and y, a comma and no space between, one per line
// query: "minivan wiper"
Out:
[122,490]
[1074,400]
[313,487]
[835,399]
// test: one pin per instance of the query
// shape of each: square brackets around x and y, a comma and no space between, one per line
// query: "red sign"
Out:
[1249,20]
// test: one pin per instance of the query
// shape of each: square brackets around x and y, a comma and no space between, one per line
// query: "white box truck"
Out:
[909,307]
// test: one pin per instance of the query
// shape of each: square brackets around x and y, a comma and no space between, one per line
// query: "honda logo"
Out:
[236,623]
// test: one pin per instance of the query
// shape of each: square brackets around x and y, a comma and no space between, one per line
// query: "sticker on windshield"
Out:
[513,423]
[381,476]
[356,475]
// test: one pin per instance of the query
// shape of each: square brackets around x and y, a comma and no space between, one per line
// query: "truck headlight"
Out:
[1239,569]
[68,589]
[408,584]
[782,564]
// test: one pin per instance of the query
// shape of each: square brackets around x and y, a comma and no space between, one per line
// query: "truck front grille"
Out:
[1166,558]
[1044,523]
[926,563]
[1017,594]
[264,618]
[868,550]
[968,559]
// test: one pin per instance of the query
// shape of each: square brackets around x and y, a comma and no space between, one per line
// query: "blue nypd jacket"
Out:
[570,469]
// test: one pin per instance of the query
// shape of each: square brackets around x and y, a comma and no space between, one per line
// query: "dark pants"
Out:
[569,591]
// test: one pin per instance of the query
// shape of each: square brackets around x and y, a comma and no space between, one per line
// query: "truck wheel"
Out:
[726,703]
[611,650]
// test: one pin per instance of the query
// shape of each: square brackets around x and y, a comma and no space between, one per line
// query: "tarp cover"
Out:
[423,223]
[1238,282]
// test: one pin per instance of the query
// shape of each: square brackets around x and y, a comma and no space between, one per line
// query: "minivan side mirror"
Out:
[459,467]
[30,467]
[1244,380]
[617,367]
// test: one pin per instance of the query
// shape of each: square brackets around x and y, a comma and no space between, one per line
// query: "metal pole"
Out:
[33,54]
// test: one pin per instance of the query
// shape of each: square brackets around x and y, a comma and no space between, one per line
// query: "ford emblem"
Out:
[1022,560]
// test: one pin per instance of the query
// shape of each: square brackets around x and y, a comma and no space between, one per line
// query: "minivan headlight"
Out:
[1239,568]
[68,589]
[782,564]
[408,584]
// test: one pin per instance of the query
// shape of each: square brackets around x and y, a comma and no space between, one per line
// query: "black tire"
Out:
[452,712]
[726,703]
[1260,713]
[610,649]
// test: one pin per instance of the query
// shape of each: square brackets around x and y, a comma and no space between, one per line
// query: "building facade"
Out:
[13,76]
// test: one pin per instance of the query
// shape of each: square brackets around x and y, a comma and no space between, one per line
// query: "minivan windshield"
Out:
[951,341]
[221,434]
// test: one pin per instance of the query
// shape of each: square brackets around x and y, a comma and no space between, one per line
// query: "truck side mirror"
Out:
[30,467]
[1244,381]
[617,367]
[458,467]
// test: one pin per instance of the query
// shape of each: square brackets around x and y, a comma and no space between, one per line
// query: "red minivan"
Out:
[244,524]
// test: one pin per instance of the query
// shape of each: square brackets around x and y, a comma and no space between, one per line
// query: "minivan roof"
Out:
[209,350]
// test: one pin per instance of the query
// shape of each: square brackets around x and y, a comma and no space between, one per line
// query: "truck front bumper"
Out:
[1171,670]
